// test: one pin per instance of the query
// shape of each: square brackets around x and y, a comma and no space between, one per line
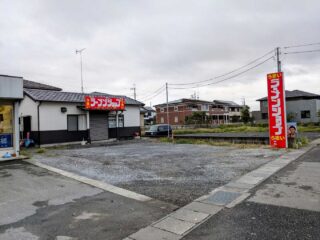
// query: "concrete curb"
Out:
[179,223]
[94,183]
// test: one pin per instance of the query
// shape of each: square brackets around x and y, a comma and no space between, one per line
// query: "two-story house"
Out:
[301,107]
[179,109]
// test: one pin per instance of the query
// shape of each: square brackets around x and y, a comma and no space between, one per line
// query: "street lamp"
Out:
[80,52]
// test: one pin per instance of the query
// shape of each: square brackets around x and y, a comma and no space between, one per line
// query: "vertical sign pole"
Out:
[81,72]
[117,125]
[284,93]
[168,122]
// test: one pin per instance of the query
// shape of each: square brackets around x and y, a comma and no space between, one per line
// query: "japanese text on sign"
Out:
[104,103]
[276,108]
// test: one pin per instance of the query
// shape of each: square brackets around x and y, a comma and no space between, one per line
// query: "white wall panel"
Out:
[132,116]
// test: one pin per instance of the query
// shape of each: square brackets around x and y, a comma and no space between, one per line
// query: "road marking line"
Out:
[94,183]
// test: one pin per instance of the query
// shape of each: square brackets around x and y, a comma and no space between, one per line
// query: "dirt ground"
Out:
[174,173]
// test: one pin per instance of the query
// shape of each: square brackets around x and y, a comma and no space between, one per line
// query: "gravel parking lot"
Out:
[175,173]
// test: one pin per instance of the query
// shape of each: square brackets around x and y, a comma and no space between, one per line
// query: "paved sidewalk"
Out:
[286,206]
[36,204]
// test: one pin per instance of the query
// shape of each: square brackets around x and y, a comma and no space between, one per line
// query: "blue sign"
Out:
[5,140]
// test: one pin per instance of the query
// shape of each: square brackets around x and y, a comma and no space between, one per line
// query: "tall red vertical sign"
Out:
[277,110]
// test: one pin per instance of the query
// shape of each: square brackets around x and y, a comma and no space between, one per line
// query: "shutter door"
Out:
[99,126]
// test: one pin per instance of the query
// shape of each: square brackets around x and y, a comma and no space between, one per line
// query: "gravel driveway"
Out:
[175,173]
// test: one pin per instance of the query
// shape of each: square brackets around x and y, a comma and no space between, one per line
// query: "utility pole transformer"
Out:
[168,122]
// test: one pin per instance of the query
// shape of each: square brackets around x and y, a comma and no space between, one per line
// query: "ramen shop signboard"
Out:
[277,110]
[104,103]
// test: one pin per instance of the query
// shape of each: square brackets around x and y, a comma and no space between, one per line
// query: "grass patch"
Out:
[223,129]
[309,128]
[301,142]
[209,142]
[26,153]
[241,128]
[41,150]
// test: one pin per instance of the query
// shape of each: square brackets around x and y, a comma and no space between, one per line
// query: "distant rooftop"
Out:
[35,85]
[184,100]
[149,108]
[296,94]
[228,103]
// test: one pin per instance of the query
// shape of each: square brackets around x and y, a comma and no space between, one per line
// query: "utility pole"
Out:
[134,91]
[167,95]
[80,52]
[278,59]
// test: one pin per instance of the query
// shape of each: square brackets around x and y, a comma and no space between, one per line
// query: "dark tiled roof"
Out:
[183,100]
[35,85]
[228,103]
[149,109]
[296,94]
[143,110]
[69,97]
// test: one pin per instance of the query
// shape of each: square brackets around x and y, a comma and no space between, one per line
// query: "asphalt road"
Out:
[39,205]
[172,173]
[287,206]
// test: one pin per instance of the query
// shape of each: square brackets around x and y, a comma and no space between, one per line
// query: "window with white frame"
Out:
[82,122]
[112,120]
[76,122]
[162,120]
[176,108]
[176,119]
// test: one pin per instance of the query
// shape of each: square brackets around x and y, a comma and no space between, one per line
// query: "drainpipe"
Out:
[38,112]
[117,125]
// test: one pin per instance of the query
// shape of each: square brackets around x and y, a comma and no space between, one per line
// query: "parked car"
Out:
[159,130]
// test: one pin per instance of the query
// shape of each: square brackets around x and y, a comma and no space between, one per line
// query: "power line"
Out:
[162,89]
[151,97]
[308,51]
[233,76]
[228,73]
[303,45]
[150,94]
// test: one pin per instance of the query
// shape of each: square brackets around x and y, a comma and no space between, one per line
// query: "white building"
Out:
[53,116]
[10,95]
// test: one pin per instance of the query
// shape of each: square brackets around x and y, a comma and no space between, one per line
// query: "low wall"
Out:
[232,139]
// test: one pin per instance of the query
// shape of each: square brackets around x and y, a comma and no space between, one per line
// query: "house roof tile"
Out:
[72,97]
[296,94]
[35,85]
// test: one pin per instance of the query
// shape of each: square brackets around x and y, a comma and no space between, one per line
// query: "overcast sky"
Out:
[150,43]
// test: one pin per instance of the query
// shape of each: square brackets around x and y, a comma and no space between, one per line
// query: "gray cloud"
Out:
[153,42]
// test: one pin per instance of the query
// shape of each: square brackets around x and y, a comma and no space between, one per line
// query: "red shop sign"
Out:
[277,110]
[104,103]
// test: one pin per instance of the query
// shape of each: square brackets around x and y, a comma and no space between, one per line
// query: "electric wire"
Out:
[228,73]
[302,45]
[307,51]
[223,80]
[154,93]
[162,89]
[150,94]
